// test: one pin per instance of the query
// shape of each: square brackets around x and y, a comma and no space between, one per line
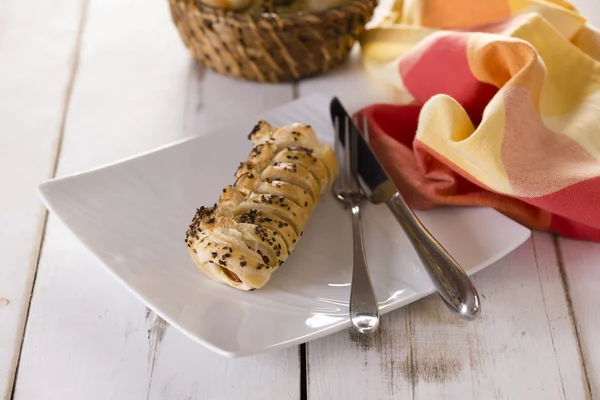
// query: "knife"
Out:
[451,281]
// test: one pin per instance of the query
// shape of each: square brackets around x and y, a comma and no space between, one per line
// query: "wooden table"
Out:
[87,82]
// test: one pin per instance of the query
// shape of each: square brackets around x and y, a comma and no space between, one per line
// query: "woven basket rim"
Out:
[239,15]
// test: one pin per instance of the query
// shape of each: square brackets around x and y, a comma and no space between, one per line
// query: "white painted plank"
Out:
[581,265]
[36,50]
[348,366]
[184,370]
[87,337]
[558,313]
[522,346]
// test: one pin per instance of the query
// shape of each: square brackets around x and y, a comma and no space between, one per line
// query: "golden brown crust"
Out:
[258,220]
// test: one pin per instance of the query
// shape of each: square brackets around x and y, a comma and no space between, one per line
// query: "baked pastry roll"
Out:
[257,222]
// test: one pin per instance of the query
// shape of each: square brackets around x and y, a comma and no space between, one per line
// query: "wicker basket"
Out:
[270,47]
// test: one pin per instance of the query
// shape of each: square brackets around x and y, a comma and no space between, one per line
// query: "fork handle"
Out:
[364,310]
[451,281]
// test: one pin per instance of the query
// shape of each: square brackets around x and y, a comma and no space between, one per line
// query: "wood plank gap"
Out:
[537,268]
[57,152]
[565,286]
[302,350]
[412,371]
[17,356]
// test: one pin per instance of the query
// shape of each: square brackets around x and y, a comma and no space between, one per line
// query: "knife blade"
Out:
[451,281]
[380,187]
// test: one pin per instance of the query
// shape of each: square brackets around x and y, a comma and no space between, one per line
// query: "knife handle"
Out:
[451,281]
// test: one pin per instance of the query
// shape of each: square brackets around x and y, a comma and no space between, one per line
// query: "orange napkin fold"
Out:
[504,115]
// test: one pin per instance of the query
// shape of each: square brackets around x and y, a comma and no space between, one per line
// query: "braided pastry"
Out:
[256,224]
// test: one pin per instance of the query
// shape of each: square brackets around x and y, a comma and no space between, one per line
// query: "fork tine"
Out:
[339,151]
[355,140]
[365,128]
[348,151]
[353,154]
[336,138]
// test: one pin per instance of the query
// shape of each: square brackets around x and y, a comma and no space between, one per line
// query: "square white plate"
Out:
[133,216]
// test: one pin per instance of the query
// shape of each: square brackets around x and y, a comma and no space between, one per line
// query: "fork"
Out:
[364,309]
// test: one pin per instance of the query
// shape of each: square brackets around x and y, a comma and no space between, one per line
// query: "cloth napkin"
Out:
[498,105]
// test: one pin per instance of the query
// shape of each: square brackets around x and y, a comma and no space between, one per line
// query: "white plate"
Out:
[133,216]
